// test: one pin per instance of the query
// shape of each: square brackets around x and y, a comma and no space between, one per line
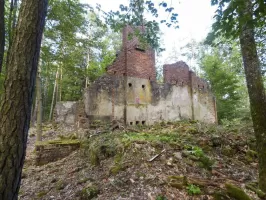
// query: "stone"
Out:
[170,162]
[178,155]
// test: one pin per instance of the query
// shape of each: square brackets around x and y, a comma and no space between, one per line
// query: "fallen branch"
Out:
[154,157]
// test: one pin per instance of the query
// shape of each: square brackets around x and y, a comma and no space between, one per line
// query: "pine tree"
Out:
[15,109]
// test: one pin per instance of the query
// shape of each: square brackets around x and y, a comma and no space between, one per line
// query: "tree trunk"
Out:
[2,32]
[15,109]
[255,86]
[34,110]
[39,107]
[14,18]
[11,24]
[60,84]
[87,81]
[45,92]
[54,94]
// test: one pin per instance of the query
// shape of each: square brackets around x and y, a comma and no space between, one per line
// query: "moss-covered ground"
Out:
[174,160]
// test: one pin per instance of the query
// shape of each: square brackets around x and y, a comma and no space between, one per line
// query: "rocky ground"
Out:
[182,160]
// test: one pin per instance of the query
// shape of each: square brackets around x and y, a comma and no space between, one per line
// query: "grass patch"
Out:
[193,189]
[118,164]
[87,193]
[150,137]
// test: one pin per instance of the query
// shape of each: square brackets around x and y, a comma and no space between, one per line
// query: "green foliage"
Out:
[193,189]
[161,137]
[102,147]
[64,50]
[133,15]
[87,193]
[118,164]
[225,84]
[192,52]
[227,19]
[228,22]
[196,151]
[204,161]
[221,66]
[77,46]
[161,197]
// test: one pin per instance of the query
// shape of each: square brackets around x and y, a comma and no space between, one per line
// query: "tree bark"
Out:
[60,81]
[34,110]
[11,24]
[39,107]
[2,32]
[45,91]
[15,109]
[87,81]
[255,85]
[54,94]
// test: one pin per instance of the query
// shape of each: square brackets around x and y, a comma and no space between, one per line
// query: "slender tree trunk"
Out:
[9,28]
[34,110]
[15,109]
[2,32]
[60,84]
[45,92]
[14,17]
[255,86]
[54,94]
[39,106]
[87,68]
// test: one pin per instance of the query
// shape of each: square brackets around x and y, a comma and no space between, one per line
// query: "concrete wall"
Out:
[65,112]
[105,99]
[147,102]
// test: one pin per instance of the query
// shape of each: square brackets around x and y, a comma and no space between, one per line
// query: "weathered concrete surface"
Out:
[65,112]
[71,113]
[100,97]
[141,101]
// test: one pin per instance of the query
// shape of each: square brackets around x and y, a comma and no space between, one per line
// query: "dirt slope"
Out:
[183,160]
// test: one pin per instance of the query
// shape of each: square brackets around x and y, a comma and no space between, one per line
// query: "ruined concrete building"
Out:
[129,92]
